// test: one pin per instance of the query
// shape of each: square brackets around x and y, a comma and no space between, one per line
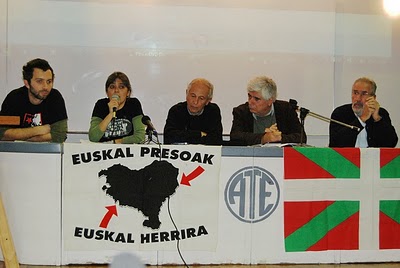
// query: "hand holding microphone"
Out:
[114,103]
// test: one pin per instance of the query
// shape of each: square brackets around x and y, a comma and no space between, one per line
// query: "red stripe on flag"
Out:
[296,214]
[342,237]
[351,154]
[388,154]
[297,166]
[389,232]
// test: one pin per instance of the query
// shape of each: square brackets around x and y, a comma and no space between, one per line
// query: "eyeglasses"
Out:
[362,93]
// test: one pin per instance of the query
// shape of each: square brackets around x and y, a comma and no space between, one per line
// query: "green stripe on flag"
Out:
[320,225]
[331,161]
[391,208]
[392,169]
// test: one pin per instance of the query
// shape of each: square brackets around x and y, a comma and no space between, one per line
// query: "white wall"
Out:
[313,49]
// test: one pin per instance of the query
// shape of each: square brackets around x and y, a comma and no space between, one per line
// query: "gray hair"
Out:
[204,82]
[263,84]
[368,81]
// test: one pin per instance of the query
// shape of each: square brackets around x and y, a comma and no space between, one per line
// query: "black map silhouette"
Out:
[145,189]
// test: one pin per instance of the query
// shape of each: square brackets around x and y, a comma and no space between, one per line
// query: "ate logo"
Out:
[252,194]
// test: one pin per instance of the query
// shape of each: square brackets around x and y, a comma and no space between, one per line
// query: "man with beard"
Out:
[41,108]
[364,112]
[264,119]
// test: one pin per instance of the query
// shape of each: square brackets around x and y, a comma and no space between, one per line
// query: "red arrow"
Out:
[195,173]
[112,210]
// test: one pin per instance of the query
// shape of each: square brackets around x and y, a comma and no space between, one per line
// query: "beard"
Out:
[358,108]
[36,94]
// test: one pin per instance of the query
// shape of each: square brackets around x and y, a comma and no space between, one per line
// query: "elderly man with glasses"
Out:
[373,121]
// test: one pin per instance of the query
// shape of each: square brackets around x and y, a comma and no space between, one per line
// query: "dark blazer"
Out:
[379,134]
[286,118]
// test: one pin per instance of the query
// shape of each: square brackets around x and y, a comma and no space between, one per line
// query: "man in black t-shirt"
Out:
[41,108]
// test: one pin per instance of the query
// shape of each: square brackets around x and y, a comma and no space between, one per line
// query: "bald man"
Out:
[197,120]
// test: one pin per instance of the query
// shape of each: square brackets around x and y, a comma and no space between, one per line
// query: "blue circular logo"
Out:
[252,194]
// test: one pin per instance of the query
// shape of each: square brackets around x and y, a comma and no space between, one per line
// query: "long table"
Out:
[243,205]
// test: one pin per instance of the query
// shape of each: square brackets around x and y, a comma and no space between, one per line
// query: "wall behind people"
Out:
[314,50]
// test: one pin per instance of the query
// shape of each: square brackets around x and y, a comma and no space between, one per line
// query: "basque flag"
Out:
[316,225]
[389,210]
[321,225]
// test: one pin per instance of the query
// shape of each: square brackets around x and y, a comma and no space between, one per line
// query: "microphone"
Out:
[146,121]
[115,97]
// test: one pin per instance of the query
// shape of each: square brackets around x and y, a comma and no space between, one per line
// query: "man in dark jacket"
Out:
[263,119]
[364,112]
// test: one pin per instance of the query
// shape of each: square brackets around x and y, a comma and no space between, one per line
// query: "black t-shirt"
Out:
[121,126]
[50,110]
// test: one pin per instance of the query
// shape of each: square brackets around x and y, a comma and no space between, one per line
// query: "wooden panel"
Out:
[9,120]
[6,242]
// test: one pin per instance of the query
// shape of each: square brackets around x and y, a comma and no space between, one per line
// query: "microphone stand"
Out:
[304,112]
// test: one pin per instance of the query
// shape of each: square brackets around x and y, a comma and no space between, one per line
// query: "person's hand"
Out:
[40,133]
[371,108]
[374,107]
[272,128]
[113,103]
[272,134]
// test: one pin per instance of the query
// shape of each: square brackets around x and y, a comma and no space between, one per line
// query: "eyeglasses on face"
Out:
[362,93]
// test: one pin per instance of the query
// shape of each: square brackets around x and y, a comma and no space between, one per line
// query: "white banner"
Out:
[142,197]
